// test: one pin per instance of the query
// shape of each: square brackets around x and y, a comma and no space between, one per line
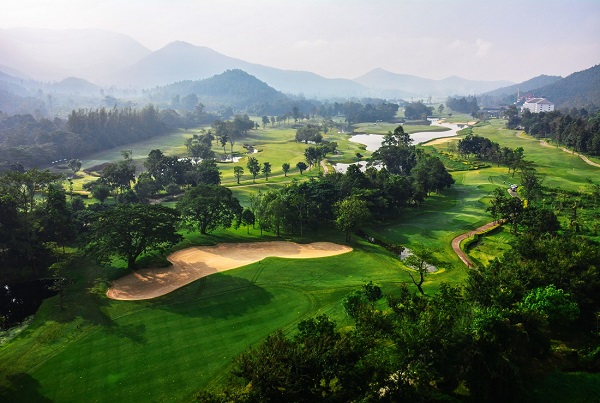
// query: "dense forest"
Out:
[31,141]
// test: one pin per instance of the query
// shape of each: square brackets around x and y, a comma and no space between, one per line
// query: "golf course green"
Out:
[168,348]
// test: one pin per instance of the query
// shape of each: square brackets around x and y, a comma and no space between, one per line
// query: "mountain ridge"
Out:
[417,86]
[128,63]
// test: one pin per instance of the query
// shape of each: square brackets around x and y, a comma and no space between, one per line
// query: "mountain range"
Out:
[107,59]
[36,65]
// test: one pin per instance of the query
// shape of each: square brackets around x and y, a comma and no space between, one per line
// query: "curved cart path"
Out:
[583,157]
[456,242]
[546,144]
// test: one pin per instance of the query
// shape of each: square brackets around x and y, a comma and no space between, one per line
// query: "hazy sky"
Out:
[474,39]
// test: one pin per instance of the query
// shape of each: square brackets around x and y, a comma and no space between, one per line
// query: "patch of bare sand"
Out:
[439,141]
[193,263]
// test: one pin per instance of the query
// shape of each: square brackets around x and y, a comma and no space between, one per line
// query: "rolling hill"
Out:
[524,87]
[234,88]
[44,58]
[108,58]
[180,61]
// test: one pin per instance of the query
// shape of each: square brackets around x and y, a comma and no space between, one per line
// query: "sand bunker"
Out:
[193,263]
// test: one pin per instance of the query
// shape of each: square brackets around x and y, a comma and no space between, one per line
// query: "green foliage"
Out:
[372,292]
[355,303]
[301,166]
[417,111]
[421,349]
[355,112]
[351,214]
[554,304]
[128,230]
[206,207]
[253,167]
[464,105]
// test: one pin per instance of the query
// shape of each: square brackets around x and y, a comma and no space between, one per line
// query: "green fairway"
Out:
[173,346]
[167,349]
[560,169]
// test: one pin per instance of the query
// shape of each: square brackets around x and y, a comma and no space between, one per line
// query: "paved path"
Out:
[456,242]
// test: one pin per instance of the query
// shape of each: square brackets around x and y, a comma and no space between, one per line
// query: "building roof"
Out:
[540,101]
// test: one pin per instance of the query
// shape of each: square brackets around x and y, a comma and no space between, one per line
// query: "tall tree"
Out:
[206,207]
[351,214]
[266,169]
[128,230]
[57,218]
[285,167]
[301,166]
[253,167]
[420,260]
[238,171]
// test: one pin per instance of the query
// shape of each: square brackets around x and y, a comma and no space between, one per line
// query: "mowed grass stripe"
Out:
[168,352]
[171,349]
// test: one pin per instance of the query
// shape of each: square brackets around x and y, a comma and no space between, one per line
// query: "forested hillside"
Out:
[234,88]
[31,142]
[579,90]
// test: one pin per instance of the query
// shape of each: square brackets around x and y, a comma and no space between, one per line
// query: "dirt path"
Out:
[194,263]
[456,242]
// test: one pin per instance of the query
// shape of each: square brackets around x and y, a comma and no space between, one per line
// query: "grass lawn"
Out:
[560,169]
[173,346]
[168,348]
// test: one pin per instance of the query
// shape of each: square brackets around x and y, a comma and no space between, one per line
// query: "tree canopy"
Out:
[206,207]
[128,230]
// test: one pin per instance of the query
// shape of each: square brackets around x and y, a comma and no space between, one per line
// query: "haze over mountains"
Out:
[90,63]
[106,58]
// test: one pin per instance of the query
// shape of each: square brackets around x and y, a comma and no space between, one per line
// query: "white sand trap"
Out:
[193,263]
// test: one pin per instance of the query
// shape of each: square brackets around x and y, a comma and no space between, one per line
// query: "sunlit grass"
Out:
[171,347]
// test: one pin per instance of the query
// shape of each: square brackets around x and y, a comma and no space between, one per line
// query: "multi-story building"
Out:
[537,105]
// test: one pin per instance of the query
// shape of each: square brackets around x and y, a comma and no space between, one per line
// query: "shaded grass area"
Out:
[171,347]
[568,387]
[489,246]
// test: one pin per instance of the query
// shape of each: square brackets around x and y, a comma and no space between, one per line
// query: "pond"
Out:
[18,301]
[373,141]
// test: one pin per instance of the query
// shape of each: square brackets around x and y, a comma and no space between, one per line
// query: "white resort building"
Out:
[537,105]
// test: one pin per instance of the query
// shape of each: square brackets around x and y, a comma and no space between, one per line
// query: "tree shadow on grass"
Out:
[216,296]
[93,310]
[22,388]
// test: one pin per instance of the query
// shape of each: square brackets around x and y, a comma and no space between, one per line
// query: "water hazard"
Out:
[373,141]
